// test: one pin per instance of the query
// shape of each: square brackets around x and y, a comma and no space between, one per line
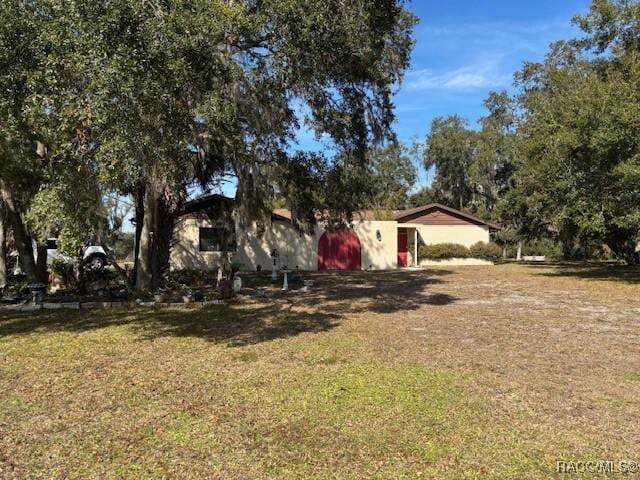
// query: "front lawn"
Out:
[471,372]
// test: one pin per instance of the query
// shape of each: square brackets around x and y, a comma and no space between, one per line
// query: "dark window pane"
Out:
[212,239]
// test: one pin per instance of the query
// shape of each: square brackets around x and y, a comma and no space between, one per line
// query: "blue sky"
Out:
[465,49]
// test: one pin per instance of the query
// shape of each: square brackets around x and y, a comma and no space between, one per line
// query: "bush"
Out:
[442,251]
[65,270]
[188,276]
[105,276]
[486,251]
[548,248]
[123,246]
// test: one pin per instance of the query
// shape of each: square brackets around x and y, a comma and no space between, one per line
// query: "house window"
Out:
[212,239]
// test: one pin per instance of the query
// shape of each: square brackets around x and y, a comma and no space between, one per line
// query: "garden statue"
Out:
[274,255]
[237,283]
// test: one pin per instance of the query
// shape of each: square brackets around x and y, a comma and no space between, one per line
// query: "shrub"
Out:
[65,270]
[123,246]
[105,276]
[442,251]
[548,248]
[188,276]
[486,251]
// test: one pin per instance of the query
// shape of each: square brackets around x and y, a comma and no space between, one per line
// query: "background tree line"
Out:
[561,158]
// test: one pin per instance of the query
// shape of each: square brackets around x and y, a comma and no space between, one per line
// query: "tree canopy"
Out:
[151,98]
[562,157]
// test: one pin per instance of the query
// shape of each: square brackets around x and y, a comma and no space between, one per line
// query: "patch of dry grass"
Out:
[471,372]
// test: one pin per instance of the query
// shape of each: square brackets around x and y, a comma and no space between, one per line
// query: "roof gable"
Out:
[438,214]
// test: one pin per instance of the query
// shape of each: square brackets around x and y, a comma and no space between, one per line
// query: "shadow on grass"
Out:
[230,324]
[251,322]
[378,292]
[591,271]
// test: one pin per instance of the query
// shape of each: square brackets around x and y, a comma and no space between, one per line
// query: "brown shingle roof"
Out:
[284,214]
[362,215]
[403,214]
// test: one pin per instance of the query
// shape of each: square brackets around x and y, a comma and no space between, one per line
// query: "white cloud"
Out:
[461,78]
[478,56]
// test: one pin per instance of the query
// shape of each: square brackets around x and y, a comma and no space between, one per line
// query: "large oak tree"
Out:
[185,92]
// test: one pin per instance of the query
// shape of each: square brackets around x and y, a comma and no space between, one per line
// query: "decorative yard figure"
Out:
[285,282]
[274,256]
[37,292]
[237,283]
[220,275]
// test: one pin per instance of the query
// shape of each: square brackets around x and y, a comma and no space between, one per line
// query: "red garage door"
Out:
[339,250]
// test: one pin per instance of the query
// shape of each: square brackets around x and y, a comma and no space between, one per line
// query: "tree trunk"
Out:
[3,249]
[41,264]
[145,245]
[138,198]
[520,244]
[156,235]
[79,271]
[22,240]
[167,207]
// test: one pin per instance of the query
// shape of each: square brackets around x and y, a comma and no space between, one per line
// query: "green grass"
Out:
[312,387]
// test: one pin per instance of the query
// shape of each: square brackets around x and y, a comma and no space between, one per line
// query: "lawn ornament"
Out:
[237,283]
[37,292]
[285,282]
[274,256]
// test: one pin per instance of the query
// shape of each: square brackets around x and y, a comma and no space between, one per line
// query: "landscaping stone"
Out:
[105,305]
[211,302]
[14,307]
[10,300]
[71,305]
[31,308]
[51,306]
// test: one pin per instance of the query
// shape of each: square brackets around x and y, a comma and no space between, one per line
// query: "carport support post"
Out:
[415,247]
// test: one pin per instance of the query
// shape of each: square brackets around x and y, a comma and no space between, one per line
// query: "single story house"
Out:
[369,244]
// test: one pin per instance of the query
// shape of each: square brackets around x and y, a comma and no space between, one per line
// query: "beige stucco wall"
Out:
[378,254]
[296,250]
[466,235]
[253,249]
[186,252]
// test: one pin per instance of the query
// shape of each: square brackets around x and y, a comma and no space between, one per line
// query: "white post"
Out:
[415,247]
[285,284]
